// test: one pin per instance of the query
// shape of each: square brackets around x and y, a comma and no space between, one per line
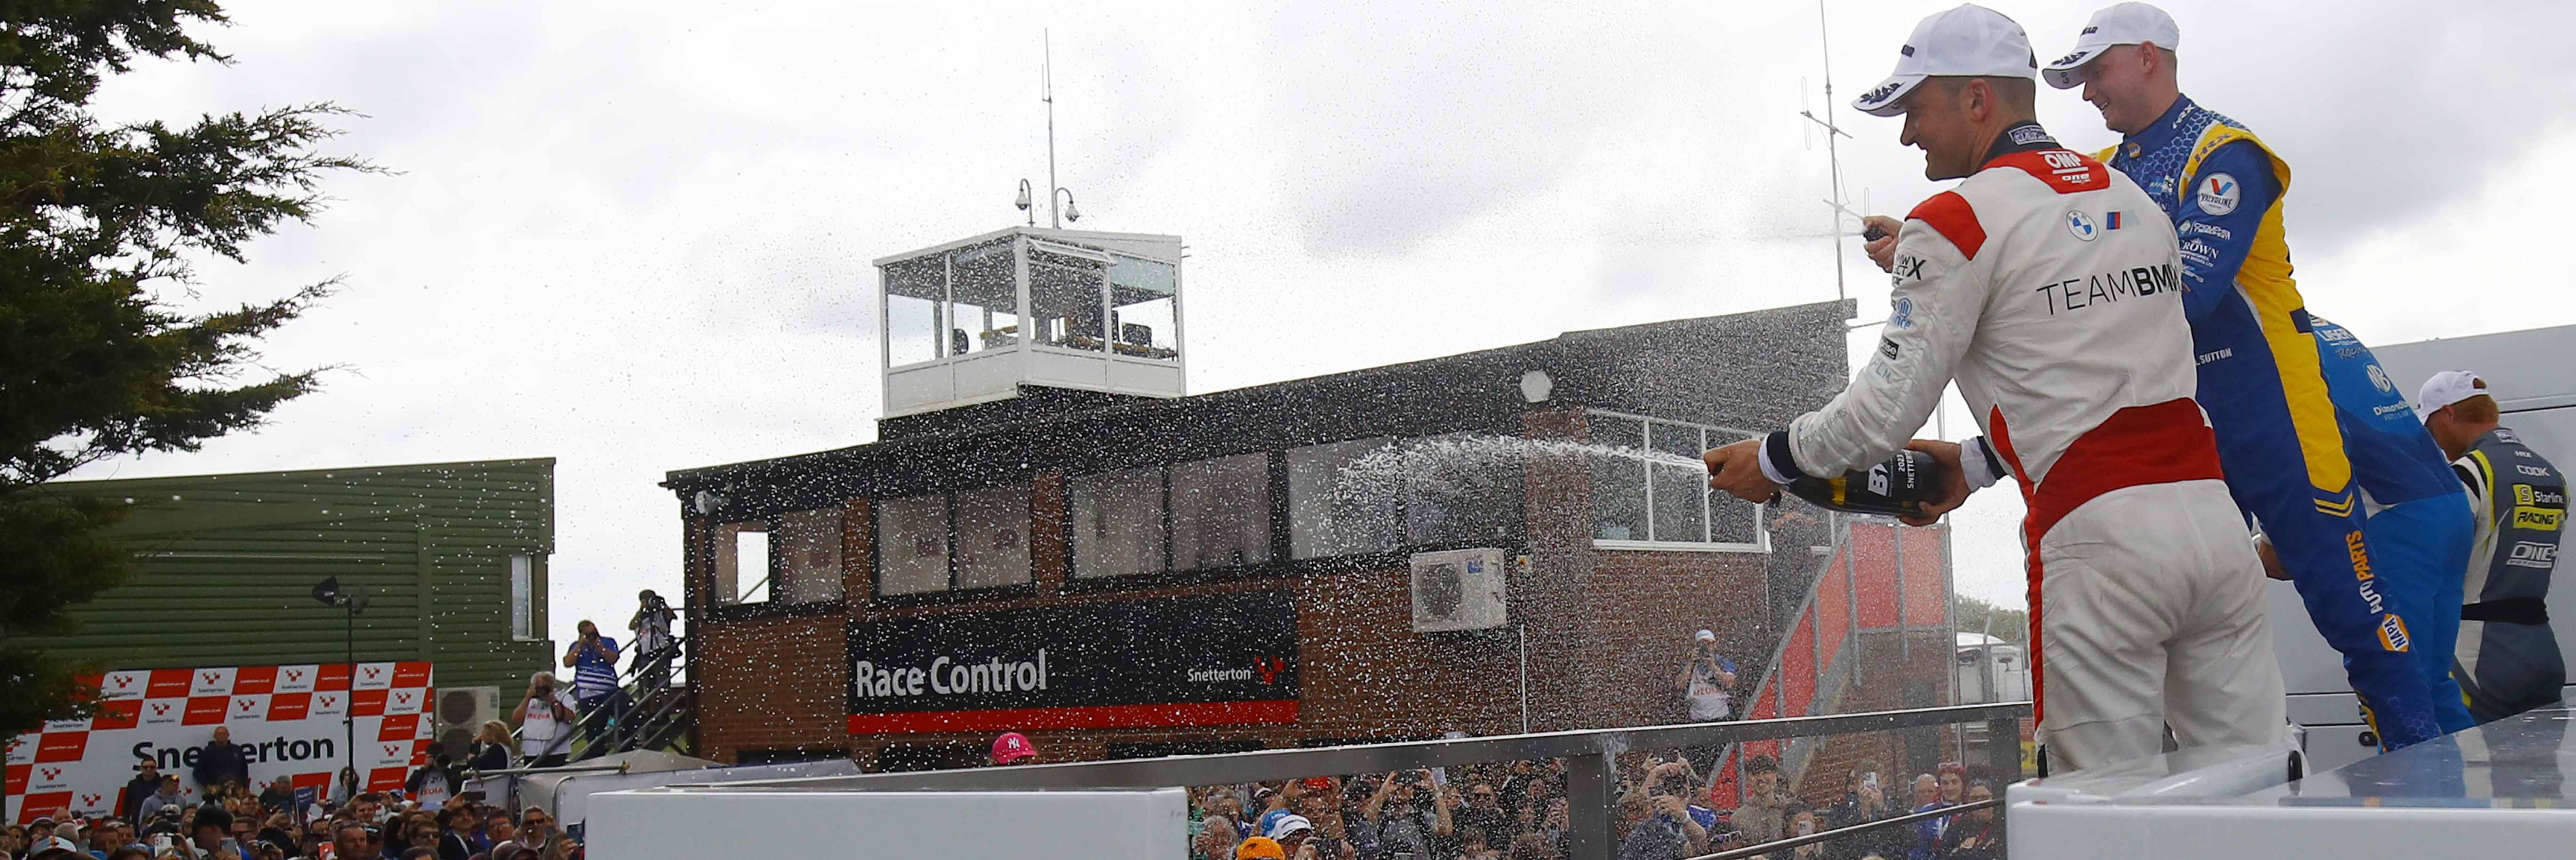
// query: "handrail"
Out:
[1590,756]
[1840,832]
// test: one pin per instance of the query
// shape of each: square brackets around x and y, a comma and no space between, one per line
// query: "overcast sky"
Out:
[636,239]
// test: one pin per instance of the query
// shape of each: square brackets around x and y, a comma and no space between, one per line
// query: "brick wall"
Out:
[1886,667]
[770,683]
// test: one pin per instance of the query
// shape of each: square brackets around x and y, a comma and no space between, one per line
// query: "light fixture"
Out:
[1070,213]
[706,502]
[1024,203]
[327,591]
[1536,387]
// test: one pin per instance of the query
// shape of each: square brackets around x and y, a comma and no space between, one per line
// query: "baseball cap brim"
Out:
[2068,71]
[1888,98]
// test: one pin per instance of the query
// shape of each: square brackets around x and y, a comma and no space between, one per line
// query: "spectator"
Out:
[1274,806]
[1762,815]
[433,783]
[212,830]
[498,828]
[279,830]
[130,852]
[1259,848]
[221,762]
[652,628]
[167,796]
[146,782]
[1473,845]
[593,661]
[545,718]
[1803,822]
[454,841]
[537,830]
[1014,748]
[491,748]
[1953,780]
[1484,812]
[419,854]
[1707,679]
[1862,802]
[280,793]
[1927,832]
[1976,835]
[1532,846]
[1320,808]
[1789,571]
[1396,813]
[1659,827]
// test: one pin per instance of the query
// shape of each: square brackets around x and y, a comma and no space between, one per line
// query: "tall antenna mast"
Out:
[1046,78]
[1833,157]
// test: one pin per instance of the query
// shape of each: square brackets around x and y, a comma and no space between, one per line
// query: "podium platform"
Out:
[2498,790]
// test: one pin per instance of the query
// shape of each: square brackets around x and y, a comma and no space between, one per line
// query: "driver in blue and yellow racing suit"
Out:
[2278,438]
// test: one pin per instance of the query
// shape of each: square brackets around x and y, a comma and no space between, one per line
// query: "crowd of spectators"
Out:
[1519,811]
[229,821]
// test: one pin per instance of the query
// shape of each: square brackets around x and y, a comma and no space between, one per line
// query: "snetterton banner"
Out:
[1223,659]
[286,720]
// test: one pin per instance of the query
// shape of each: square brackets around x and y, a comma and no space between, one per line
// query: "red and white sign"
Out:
[289,720]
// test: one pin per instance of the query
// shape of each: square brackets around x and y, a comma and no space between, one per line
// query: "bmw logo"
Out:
[2082,226]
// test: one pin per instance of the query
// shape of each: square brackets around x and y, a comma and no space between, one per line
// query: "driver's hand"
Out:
[1954,484]
[1882,250]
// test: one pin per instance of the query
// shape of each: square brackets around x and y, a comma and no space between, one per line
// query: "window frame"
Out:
[948,521]
[1275,471]
[521,571]
[1761,542]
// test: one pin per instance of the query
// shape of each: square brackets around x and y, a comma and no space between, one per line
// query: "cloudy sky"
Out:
[636,239]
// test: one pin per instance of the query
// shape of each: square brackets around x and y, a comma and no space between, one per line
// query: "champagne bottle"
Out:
[1901,486]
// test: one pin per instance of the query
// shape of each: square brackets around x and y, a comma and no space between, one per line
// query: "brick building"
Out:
[1051,536]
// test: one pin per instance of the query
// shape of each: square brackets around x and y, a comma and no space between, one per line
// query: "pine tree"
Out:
[99,225]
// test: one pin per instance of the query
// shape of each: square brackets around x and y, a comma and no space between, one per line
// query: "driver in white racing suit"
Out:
[2047,285]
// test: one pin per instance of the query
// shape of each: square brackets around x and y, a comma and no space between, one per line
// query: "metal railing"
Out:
[1590,764]
[647,712]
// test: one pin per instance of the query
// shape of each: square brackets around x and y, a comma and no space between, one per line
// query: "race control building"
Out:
[1051,536]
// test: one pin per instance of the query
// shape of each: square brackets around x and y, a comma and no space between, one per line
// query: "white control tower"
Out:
[972,321]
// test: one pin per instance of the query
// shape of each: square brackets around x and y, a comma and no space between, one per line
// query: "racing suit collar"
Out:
[2025,136]
[2159,132]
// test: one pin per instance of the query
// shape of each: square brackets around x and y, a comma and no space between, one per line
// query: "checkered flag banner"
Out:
[288,720]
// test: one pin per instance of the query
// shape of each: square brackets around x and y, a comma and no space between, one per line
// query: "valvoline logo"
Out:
[2392,633]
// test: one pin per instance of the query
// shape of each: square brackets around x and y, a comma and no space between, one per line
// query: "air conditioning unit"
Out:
[460,712]
[1459,589]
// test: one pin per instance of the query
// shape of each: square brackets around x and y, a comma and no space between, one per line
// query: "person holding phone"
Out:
[1398,813]
[593,661]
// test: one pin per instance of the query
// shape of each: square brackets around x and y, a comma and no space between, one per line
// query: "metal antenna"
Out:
[1833,158]
[1046,78]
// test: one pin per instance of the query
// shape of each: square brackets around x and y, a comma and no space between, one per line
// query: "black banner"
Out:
[1174,661]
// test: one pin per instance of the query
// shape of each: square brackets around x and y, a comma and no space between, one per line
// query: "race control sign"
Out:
[1223,659]
[286,720]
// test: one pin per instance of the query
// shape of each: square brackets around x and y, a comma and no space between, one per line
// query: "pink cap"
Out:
[1011,747]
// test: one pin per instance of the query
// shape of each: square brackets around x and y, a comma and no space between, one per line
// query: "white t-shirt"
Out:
[1709,700]
[540,734]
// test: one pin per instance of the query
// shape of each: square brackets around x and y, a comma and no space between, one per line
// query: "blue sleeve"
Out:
[2214,244]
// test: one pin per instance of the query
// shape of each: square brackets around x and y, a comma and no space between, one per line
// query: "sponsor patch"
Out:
[2082,226]
[2392,633]
[2216,355]
[1883,92]
[1887,348]
[2538,519]
[2025,135]
[1903,317]
[2196,228]
[2379,380]
[2526,494]
[2360,555]
[2533,554]
[2219,193]
[2111,221]
[1908,268]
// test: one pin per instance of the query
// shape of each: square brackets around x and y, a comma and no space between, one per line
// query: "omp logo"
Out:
[2538,519]
[2533,554]
[2392,633]
[2379,380]
[2360,555]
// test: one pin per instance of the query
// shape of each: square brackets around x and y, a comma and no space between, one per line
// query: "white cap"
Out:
[1288,824]
[1969,41]
[2446,388]
[2115,25]
[1705,636]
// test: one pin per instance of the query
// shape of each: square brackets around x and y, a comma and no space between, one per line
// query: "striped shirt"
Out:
[594,676]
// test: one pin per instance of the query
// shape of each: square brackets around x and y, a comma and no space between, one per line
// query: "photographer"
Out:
[1707,679]
[545,717]
[1397,813]
[593,660]
[652,628]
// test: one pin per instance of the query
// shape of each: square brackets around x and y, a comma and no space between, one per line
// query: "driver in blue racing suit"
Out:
[2278,438]
[2419,523]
